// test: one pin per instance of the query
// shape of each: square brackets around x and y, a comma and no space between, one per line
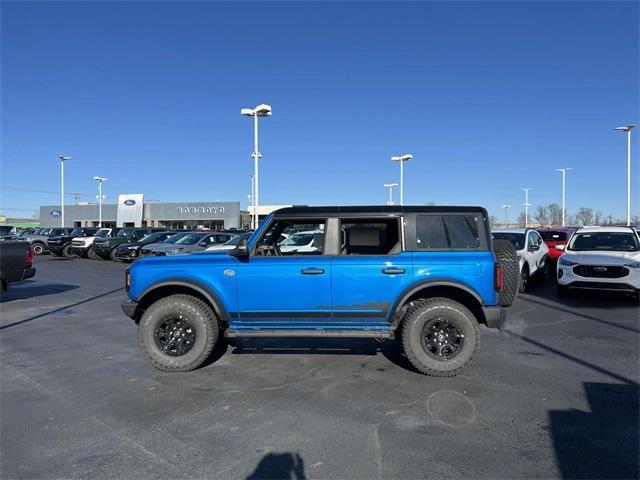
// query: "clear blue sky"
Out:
[488,97]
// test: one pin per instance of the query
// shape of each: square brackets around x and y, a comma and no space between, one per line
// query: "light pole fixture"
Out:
[390,186]
[526,205]
[100,198]
[62,158]
[506,207]
[627,129]
[564,179]
[402,158]
[261,110]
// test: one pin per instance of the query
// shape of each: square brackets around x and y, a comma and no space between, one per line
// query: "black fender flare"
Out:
[414,288]
[212,297]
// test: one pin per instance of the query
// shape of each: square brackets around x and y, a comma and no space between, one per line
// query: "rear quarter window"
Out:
[449,232]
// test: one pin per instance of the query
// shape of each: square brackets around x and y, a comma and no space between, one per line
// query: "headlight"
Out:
[133,248]
[174,251]
[633,265]
[565,262]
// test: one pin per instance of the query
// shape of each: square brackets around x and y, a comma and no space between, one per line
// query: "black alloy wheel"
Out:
[441,339]
[175,336]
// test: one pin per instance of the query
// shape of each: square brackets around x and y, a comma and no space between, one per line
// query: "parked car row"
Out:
[587,258]
[125,244]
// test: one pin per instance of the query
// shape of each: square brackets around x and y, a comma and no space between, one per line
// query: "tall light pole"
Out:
[627,129]
[261,110]
[526,205]
[62,159]
[402,158]
[100,180]
[390,186]
[564,180]
[253,206]
[506,207]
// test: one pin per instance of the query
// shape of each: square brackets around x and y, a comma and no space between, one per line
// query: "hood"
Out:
[602,258]
[127,244]
[31,238]
[196,260]
[163,247]
[220,248]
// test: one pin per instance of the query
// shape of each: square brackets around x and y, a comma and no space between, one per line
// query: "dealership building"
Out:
[132,211]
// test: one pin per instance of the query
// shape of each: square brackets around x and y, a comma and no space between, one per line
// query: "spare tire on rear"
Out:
[507,257]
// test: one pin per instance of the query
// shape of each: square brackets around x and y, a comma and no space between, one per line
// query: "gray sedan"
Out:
[193,242]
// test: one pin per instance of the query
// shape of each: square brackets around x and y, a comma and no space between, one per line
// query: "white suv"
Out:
[601,258]
[531,250]
[81,246]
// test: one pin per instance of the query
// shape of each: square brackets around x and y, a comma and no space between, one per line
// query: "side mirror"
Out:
[240,251]
[560,248]
[534,248]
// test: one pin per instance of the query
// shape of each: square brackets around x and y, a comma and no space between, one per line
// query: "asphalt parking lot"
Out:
[554,394]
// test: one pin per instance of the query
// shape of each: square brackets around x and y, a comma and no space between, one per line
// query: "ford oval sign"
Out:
[55,213]
[129,202]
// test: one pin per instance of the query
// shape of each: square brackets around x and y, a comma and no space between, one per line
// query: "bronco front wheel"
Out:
[439,336]
[178,333]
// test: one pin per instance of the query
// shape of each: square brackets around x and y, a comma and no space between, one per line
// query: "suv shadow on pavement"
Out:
[602,443]
[390,349]
[278,466]
[33,289]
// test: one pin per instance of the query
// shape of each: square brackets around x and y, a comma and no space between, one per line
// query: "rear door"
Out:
[370,273]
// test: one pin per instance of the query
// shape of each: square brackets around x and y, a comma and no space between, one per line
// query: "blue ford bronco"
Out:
[429,275]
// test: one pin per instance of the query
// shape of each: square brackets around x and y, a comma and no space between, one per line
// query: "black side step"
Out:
[310,333]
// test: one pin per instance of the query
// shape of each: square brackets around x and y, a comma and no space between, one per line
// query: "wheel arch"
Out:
[163,289]
[457,291]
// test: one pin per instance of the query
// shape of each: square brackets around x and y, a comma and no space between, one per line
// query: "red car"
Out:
[553,236]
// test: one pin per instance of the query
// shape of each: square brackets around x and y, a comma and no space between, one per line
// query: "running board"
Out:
[310,333]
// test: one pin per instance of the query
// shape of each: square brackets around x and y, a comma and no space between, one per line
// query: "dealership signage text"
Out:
[199,210]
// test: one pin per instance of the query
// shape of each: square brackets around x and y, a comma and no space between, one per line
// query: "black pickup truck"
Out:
[16,262]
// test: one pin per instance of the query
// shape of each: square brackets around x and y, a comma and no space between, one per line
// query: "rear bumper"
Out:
[28,273]
[495,316]
[129,309]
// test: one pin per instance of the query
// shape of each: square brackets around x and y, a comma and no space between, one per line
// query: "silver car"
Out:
[193,242]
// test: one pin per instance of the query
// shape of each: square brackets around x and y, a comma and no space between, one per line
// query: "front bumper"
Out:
[126,254]
[80,251]
[55,249]
[104,252]
[495,316]
[567,278]
[129,308]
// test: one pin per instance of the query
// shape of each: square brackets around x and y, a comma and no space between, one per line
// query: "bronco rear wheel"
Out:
[178,333]
[439,336]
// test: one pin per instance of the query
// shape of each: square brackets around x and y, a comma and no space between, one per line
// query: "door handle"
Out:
[393,271]
[312,271]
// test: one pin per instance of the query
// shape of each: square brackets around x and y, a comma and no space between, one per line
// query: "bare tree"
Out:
[493,220]
[598,218]
[585,216]
[555,214]
[520,220]
[542,215]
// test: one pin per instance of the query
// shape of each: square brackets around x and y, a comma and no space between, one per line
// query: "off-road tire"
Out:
[92,254]
[38,248]
[415,320]
[199,314]
[67,253]
[112,255]
[508,259]
[525,278]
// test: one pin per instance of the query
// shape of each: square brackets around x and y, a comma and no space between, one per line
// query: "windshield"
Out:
[298,240]
[103,233]
[236,240]
[516,238]
[125,232]
[605,241]
[151,237]
[77,232]
[190,239]
[551,236]
[175,237]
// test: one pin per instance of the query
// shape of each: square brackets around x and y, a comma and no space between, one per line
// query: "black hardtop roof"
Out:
[374,209]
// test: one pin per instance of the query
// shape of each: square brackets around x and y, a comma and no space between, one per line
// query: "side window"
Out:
[292,237]
[366,237]
[447,231]
[532,240]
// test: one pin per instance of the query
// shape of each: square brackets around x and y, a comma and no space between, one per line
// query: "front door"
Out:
[370,274]
[286,282]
